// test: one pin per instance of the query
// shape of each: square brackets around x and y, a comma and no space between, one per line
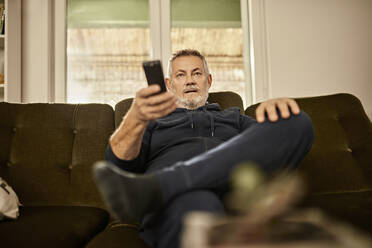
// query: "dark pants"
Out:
[191,185]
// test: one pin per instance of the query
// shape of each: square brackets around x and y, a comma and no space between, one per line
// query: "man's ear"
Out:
[209,80]
[168,83]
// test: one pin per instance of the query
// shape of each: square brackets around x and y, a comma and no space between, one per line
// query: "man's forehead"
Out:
[187,63]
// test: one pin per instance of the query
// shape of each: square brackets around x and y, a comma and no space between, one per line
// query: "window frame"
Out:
[255,54]
[60,51]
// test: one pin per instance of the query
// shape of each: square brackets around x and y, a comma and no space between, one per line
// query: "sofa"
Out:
[47,151]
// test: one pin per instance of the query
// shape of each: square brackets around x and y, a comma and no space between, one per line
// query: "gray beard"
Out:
[195,103]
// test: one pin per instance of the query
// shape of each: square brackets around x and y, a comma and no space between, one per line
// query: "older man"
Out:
[173,152]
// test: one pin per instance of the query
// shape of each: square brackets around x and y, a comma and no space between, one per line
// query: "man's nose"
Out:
[190,80]
[190,83]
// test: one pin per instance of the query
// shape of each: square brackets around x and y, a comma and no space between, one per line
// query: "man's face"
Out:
[189,81]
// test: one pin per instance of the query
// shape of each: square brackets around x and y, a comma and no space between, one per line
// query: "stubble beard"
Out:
[193,103]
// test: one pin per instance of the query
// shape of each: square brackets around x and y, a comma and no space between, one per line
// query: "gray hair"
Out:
[186,52]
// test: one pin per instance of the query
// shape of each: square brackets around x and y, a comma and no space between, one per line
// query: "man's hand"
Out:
[270,106]
[147,106]
[127,139]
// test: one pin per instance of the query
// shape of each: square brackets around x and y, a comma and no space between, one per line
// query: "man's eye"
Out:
[197,73]
[180,75]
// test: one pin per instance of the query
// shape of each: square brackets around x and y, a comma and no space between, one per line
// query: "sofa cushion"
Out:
[118,236]
[226,99]
[47,151]
[340,158]
[352,207]
[53,226]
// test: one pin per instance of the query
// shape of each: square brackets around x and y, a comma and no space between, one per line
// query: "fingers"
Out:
[266,107]
[147,95]
[283,109]
[154,112]
[160,98]
[160,107]
[271,112]
[260,113]
[148,91]
[270,107]
[294,106]
[148,106]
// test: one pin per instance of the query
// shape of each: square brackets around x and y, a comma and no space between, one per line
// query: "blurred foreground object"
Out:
[258,198]
[264,217]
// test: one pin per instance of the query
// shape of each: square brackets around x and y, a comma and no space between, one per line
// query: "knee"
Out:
[304,126]
[299,125]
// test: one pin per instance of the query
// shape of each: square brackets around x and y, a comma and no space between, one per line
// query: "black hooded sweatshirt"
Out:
[182,135]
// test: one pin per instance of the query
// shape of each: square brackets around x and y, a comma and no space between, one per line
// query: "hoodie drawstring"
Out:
[212,123]
[192,125]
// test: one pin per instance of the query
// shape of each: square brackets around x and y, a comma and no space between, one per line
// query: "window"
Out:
[108,40]
[214,28]
[106,44]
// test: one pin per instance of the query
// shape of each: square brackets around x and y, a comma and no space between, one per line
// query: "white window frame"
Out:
[259,53]
[247,62]
[255,53]
[60,52]
[160,30]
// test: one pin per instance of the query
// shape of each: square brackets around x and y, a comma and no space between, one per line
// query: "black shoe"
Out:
[129,196]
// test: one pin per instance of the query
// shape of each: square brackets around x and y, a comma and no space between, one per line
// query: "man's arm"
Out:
[127,139]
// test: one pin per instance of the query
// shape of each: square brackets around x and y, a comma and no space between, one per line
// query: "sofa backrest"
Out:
[340,159]
[47,151]
[226,99]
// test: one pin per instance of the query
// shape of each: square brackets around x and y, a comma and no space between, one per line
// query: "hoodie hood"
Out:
[206,108]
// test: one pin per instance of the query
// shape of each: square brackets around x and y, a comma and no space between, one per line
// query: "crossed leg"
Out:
[274,146]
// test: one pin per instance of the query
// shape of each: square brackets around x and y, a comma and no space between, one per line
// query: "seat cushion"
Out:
[53,226]
[352,207]
[118,235]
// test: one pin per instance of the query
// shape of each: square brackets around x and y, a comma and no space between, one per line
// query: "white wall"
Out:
[320,47]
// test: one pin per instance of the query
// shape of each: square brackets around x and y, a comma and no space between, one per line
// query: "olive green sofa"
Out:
[338,168]
[47,151]
[46,155]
